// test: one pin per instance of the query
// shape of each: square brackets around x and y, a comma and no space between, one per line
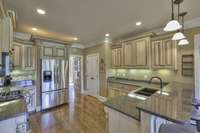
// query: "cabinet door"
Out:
[169,48]
[29,57]
[156,53]
[60,52]
[141,52]
[127,47]
[47,51]
[17,55]
[116,57]
[128,124]
[113,121]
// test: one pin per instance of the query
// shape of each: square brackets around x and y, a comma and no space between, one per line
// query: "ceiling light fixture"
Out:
[34,29]
[138,23]
[75,38]
[41,11]
[107,34]
[178,35]
[183,41]
[172,25]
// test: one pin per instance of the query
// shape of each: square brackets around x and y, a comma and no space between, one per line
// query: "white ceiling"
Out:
[89,20]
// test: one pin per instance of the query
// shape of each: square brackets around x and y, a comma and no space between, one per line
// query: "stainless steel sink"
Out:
[142,93]
[146,91]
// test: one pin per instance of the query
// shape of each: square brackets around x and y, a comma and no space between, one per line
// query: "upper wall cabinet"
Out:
[53,52]
[136,53]
[116,57]
[24,56]
[164,54]
[29,57]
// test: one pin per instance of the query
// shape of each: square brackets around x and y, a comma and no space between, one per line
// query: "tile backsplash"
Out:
[144,74]
[23,75]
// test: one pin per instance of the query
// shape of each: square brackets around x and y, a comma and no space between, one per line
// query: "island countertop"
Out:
[174,104]
[12,108]
[124,105]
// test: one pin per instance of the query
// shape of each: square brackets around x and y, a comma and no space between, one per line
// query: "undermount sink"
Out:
[146,91]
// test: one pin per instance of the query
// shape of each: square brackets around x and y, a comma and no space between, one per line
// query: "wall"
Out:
[166,75]
[104,51]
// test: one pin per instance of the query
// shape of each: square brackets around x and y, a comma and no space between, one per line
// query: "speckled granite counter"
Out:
[125,105]
[12,108]
[174,104]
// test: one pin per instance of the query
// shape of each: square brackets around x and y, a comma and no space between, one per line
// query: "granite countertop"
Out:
[125,105]
[174,104]
[12,108]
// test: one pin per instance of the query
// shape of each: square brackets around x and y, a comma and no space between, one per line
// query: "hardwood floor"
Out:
[83,114]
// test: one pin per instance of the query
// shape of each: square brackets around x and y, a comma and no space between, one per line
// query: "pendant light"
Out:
[178,35]
[183,41]
[172,25]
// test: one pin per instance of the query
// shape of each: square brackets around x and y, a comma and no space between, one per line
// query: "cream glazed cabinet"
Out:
[120,123]
[164,53]
[24,55]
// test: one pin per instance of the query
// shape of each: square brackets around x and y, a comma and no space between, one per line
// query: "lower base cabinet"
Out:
[120,123]
[17,124]
[151,123]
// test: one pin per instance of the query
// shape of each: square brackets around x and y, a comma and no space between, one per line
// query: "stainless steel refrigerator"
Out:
[54,83]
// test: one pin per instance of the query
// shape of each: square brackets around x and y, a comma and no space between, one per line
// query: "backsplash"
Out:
[144,74]
[18,75]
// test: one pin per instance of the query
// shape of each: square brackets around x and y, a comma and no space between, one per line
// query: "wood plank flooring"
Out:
[83,114]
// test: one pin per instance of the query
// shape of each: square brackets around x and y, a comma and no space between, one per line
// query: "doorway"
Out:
[92,75]
[76,72]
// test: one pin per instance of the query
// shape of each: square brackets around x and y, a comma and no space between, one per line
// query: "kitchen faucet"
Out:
[161,82]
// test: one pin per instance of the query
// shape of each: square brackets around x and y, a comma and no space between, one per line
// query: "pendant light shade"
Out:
[172,25]
[183,42]
[178,36]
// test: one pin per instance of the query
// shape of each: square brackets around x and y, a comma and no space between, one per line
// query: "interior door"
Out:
[92,74]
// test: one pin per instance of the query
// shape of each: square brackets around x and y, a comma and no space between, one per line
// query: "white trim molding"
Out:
[197,65]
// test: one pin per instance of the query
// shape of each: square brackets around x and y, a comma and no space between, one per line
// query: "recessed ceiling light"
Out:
[75,38]
[107,34]
[138,23]
[34,29]
[41,11]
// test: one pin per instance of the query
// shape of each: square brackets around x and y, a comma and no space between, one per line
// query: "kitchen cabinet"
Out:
[24,56]
[17,55]
[18,124]
[120,123]
[51,52]
[164,54]
[116,57]
[115,89]
[29,57]
[48,51]
[6,35]
[142,52]
[136,53]
[151,123]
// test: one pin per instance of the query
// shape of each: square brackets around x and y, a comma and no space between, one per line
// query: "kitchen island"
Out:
[173,105]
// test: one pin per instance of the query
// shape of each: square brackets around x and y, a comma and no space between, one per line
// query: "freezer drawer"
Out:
[54,98]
